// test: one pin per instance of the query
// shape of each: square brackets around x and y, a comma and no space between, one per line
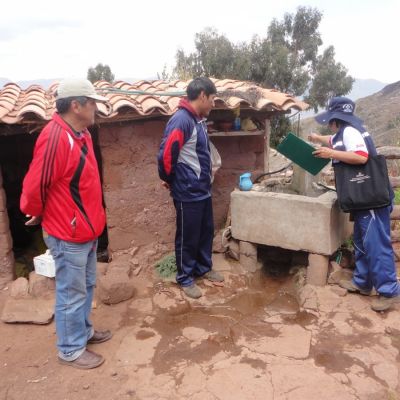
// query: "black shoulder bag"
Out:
[363,186]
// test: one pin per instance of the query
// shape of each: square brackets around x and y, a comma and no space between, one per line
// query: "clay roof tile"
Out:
[17,105]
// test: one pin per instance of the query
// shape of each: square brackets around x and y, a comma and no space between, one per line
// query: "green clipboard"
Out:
[300,152]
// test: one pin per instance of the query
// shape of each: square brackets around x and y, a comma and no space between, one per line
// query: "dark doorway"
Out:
[15,156]
[102,248]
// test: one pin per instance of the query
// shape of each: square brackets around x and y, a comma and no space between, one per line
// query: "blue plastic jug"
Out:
[245,182]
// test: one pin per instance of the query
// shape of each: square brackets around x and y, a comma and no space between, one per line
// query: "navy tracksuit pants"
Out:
[193,239]
[375,266]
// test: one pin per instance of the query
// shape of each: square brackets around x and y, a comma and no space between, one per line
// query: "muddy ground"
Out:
[246,340]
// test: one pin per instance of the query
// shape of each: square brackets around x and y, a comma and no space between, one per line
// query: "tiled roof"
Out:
[36,104]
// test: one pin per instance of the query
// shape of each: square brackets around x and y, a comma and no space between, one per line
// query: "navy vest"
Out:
[337,142]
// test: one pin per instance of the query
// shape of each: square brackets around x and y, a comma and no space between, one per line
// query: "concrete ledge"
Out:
[313,224]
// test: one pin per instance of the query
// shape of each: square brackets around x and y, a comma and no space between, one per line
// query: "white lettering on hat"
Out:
[347,108]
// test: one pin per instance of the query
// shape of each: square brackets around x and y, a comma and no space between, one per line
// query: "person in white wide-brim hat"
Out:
[375,266]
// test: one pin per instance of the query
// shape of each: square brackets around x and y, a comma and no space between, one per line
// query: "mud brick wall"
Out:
[6,244]
[140,211]
[239,154]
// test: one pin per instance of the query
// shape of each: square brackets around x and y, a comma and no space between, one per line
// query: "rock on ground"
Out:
[19,288]
[115,286]
[34,311]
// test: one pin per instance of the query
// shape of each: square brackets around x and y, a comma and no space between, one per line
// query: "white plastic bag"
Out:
[216,161]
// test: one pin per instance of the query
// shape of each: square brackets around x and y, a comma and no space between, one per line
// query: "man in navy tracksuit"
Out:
[184,164]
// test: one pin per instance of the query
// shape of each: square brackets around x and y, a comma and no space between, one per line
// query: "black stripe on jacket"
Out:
[74,185]
[48,164]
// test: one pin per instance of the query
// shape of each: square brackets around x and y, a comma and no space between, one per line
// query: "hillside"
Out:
[380,112]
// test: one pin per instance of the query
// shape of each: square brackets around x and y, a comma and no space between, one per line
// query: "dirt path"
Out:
[246,340]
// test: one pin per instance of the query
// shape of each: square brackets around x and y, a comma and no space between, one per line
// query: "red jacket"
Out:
[63,184]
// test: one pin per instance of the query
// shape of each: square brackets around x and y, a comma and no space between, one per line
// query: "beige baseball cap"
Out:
[78,87]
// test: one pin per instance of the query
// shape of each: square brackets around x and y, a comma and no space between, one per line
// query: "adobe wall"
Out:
[140,211]
[239,154]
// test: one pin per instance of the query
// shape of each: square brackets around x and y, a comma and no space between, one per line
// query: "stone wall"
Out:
[140,211]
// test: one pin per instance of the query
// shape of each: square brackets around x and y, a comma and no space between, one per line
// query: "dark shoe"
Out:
[383,303]
[87,360]
[213,276]
[353,288]
[192,291]
[100,337]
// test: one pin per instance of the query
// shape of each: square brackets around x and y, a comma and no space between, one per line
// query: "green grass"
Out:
[166,267]
[397,196]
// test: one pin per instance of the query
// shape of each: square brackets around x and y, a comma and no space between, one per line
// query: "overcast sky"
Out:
[58,39]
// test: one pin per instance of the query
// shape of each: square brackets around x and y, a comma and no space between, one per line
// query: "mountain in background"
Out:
[379,111]
[45,83]
[361,88]
[381,114]
[364,87]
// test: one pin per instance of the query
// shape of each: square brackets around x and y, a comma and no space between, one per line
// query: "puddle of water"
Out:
[284,303]
[240,315]
[329,352]
[243,314]
[302,318]
[254,363]
[334,361]
[248,302]
[174,349]
[143,335]
[363,321]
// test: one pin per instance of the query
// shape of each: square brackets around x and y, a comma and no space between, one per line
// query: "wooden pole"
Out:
[267,138]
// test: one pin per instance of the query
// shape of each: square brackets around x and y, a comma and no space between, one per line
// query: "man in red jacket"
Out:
[62,190]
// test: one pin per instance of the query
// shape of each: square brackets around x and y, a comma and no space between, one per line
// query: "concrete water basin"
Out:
[289,221]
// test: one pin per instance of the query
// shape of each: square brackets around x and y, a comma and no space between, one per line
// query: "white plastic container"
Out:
[44,265]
